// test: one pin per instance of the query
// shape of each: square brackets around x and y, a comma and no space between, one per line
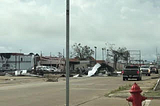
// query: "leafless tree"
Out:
[120,53]
[81,52]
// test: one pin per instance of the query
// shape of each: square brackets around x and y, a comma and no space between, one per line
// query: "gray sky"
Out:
[39,25]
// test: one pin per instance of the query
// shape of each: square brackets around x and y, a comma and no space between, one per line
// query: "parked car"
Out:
[132,72]
[145,70]
[53,69]
[45,69]
[154,69]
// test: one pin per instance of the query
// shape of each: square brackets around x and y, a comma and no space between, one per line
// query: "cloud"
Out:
[39,25]
[29,21]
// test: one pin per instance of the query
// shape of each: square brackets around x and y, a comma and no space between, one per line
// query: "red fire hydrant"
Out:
[136,98]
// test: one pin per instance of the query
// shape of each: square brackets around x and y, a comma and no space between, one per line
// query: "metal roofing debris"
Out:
[94,70]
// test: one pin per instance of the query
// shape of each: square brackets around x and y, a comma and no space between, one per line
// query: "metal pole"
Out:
[157,55]
[63,53]
[19,61]
[15,63]
[67,53]
[95,53]
[105,54]
[19,58]
[102,54]
[140,56]
[50,60]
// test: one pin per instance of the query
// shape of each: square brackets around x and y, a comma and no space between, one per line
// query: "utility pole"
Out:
[105,53]
[67,51]
[50,59]
[102,54]
[63,53]
[95,53]
[157,54]
[140,56]
[19,58]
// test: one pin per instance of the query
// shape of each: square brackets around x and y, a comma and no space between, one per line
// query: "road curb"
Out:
[148,97]
[155,77]
[157,84]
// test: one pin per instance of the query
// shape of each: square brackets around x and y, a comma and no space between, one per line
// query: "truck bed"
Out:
[131,72]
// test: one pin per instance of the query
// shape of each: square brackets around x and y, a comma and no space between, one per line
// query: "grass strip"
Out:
[121,88]
[151,92]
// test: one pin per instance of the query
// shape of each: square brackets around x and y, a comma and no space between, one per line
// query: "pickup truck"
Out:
[145,70]
[132,72]
[154,69]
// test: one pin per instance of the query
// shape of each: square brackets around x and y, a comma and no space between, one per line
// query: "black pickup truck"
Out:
[132,72]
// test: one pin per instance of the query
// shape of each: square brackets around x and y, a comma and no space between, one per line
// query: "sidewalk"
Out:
[117,101]
[105,101]
[155,102]
[120,97]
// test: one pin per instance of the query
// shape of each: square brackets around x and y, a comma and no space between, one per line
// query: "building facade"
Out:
[15,61]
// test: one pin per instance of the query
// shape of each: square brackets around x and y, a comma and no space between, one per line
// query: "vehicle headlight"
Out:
[149,70]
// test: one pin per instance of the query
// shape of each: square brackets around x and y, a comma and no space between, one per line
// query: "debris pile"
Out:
[51,77]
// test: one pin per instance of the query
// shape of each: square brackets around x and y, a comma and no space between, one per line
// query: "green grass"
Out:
[121,88]
[152,93]
[149,93]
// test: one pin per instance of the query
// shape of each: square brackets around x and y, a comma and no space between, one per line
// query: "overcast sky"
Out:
[39,25]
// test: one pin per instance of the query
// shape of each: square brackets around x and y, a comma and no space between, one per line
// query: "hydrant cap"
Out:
[135,88]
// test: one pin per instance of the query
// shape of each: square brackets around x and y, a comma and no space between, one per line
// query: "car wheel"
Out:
[140,78]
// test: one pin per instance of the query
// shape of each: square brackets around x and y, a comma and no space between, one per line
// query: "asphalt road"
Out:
[83,91]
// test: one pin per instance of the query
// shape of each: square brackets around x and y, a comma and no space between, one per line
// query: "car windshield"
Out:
[153,67]
[131,66]
[144,66]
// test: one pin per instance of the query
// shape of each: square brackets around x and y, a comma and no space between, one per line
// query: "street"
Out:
[84,91]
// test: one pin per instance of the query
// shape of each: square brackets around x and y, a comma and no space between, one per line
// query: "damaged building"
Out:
[15,61]
[57,62]
[21,61]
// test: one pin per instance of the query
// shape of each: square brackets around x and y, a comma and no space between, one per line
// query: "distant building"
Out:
[51,61]
[76,64]
[58,62]
[15,61]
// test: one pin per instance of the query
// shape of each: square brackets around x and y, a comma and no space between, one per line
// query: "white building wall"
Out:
[21,62]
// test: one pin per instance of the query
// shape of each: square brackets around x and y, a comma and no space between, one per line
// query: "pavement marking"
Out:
[146,102]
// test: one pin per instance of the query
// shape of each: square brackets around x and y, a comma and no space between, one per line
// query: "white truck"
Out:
[145,70]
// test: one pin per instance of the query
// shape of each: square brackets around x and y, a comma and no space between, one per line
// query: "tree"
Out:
[60,55]
[120,53]
[81,52]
